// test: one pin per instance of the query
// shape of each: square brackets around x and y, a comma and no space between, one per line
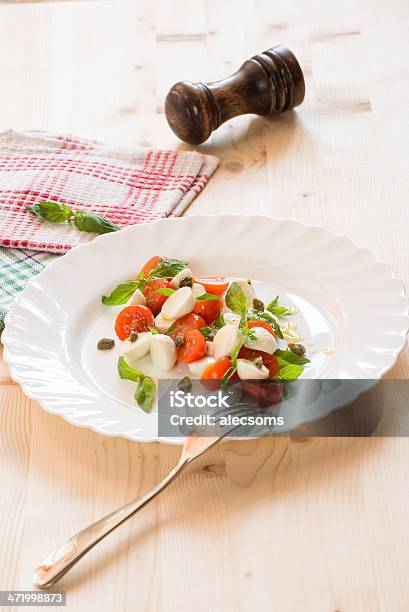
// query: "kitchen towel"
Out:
[127,185]
[17,266]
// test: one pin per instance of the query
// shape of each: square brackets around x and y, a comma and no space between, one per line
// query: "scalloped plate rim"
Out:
[178,441]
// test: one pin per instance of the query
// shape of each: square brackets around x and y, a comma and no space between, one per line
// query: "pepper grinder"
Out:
[267,84]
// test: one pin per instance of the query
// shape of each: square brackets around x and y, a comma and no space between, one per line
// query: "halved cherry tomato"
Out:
[215,285]
[133,318]
[155,300]
[185,324]
[150,265]
[270,361]
[213,374]
[208,309]
[264,324]
[264,393]
[194,347]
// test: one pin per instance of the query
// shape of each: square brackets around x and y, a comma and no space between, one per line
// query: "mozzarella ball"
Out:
[163,351]
[198,367]
[198,290]
[162,324]
[139,348]
[247,370]
[231,318]
[180,276]
[264,341]
[179,303]
[137,299]
[224,341]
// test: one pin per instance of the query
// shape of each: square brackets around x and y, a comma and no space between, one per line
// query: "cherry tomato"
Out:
[133,318]
[155,300]
[270,361]
[194,347]
[208,309]
[213,374]
[264,324]
[215,285]
[185,324]
[264,393]
[150,265]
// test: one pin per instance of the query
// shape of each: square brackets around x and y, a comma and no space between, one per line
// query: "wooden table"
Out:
[311,524]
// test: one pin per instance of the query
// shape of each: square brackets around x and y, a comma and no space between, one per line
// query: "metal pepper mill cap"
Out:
[267,84]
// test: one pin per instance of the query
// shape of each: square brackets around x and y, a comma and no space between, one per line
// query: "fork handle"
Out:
[63,558]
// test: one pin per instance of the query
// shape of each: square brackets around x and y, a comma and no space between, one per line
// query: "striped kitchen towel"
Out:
[17,266]
[127,185]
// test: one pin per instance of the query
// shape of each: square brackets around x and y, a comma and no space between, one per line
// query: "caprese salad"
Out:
[217,327]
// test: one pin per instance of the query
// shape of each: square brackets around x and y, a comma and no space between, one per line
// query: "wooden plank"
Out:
[286,524]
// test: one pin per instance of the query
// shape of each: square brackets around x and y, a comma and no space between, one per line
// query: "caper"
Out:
[297,349]
[105,344]
[179,340]
[258,362]
[133,336]
[186,282]
[185,384]
[258,304]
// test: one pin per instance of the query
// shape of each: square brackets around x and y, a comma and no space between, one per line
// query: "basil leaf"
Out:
[207,297]
[236,350]
[145,393]
[247,333]
[90,222]
[289,372]
[219,321]
[145,385]
[207,331]
[128,372]
[264,316]
[54,212]
[168,268]
[153,330]
[290,357]
[278,311]
[142,282]
[121,294]
[235,299]
[227,376]
[276,328]
[165,291]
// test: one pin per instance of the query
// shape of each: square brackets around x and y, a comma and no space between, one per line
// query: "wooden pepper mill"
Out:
[266,84]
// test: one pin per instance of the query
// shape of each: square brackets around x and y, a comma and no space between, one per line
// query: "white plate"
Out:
[346,298]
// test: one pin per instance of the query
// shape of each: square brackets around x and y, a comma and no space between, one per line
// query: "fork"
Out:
[63,558]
